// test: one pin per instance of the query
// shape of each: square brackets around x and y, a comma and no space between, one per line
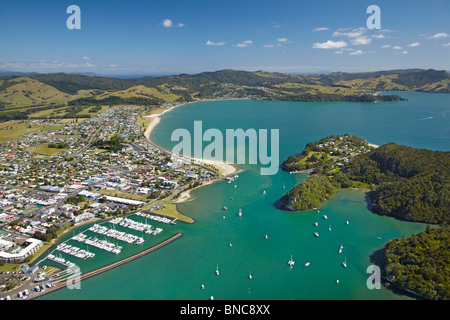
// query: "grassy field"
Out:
[143,92]
[44,150]
[125,195]
[171,211]
[59,112]
[13,130]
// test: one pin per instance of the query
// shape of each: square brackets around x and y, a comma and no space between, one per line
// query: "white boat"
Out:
[266,236]
[307,264]
[264,192]
[329,228]
[316,224]
[284,186]
[344,264]
[346,222]
[325,217]
[316,234]
[240,213]
[291,262]
[231,245]
[250,275]
[203,286]
[217,270]
[341,248]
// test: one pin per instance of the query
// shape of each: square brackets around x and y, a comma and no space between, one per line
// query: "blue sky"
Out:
[180,36]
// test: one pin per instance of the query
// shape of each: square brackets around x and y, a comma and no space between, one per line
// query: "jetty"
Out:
[85,276]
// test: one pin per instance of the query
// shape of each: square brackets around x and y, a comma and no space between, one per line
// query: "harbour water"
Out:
[178,270]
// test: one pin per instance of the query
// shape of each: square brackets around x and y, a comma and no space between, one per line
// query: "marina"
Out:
[75,251]
[115,234]
[60,260]
[134,225]
[97,243]
[155,217]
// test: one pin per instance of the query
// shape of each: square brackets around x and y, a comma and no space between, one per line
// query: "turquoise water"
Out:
[178,270]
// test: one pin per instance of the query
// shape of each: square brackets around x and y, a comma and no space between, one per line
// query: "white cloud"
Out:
[180,25]
[113,65]
[438,35]
[244,44]
[379,36]
[397,47]
[446,44]
[386,46]
[283,40]
[320,29]
[361,40]
[415,44]
[329,45]
[339,52]
[86,58]
[356,53]
[354,33]
[270,46]
[405,52]
[167,23]
[211,43]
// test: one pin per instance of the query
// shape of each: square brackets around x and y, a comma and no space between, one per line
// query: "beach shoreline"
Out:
[225,169]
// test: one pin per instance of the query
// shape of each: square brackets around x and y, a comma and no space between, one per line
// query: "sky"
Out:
[147,37]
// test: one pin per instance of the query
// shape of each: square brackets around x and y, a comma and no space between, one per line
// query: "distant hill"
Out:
[21,90]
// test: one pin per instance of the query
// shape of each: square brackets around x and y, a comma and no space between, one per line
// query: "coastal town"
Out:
[85,170]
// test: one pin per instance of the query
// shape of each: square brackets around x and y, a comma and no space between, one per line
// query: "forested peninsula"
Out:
[407,183]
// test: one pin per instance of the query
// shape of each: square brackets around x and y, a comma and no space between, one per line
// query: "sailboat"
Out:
[266,236]
[291,262]
[307,264]
[284,186]
[344,264]
[217,270]
[240,213]
[250,275]
[341,248]
[329,228]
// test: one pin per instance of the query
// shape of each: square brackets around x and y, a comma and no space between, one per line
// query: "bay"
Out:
[178,270]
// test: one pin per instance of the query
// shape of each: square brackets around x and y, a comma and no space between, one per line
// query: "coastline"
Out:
[186,195]
[224,168]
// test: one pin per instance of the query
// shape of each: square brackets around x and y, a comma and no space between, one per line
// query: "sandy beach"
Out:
[186,195]
[225,169]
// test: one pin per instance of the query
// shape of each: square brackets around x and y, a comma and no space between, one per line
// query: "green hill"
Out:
[408,183]
[19,93]
[419,263]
